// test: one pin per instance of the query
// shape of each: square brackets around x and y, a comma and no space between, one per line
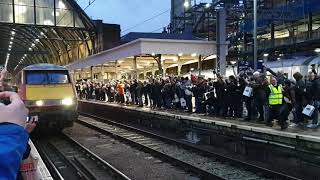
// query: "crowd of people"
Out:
[251,96]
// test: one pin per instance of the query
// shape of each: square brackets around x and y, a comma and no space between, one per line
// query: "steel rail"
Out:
[204,174]
[74,163]
[253,168]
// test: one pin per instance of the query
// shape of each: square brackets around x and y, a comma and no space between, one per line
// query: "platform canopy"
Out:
[142,54]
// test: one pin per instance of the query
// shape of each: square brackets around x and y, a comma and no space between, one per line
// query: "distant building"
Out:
[107,35]
[284,26]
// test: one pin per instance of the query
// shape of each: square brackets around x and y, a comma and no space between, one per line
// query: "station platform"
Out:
[292,138]
[42,172]
[307,134]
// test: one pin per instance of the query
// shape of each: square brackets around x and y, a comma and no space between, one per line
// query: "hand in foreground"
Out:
[31,124]
[15,112]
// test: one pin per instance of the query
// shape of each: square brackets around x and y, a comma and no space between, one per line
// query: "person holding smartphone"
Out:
[13,135]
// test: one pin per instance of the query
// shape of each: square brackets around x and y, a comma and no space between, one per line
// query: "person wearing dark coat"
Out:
[146,92]
[314,99]
[220,95]
[300,98]
[233,100]
[133,87]
[259,94]
[139,93]
[156,91]
[198,91]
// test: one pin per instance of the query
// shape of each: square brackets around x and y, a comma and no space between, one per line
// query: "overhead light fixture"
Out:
[265,55]
[9,49]
[25,55]
[37,40]
[317,50]
[180,54]
[278,59]
[41,33]
[10,46]
[194,54]
[30,49]
[10,42]
[32,45]
[13,33]
[12,38]
[153,54]
[208,5]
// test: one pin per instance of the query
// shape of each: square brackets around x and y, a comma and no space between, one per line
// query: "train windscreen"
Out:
[47,77]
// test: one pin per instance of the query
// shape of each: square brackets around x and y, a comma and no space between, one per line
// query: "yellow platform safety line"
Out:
[42,92]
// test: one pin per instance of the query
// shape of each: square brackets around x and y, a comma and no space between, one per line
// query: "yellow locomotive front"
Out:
[48,93]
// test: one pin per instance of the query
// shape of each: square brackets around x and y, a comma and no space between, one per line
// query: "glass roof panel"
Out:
[43,12]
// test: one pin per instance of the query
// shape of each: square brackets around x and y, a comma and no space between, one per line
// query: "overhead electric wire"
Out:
[149,19]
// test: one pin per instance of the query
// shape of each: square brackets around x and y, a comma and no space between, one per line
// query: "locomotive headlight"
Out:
[39,103]
[67,101]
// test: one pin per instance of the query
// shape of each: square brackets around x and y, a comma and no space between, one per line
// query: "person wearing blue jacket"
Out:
[13,136]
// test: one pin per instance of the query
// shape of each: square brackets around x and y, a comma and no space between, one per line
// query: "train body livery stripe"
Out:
[43,92]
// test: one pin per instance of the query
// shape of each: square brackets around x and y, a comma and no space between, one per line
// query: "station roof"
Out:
[138,35]
[145,49]
[40,31]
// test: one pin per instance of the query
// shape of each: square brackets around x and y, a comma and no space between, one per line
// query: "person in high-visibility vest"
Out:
[276,104]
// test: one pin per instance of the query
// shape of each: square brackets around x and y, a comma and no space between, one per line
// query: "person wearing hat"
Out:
[276,105]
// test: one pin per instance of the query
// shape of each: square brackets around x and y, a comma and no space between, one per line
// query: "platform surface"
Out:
[306,134]
[42,171]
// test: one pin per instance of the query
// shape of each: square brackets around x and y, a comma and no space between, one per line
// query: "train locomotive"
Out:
[48,92]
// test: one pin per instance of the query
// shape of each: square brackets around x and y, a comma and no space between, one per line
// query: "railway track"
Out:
[67,159]
[207,164]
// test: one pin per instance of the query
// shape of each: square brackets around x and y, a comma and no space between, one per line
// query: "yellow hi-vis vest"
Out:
[276,95]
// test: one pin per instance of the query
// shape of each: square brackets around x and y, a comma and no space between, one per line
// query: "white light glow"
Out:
[10,42]
[186,4]
[13,33]
[266,55]
[233,62]
[32,45]
[20,9]
[37,40]
[67,102]
[208,5]
[175,59]
[180,54]
[194,54]
[153,54]
[12,38]
[61,5]
[48,22]
[39,103]
[317,50]
[30,49]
